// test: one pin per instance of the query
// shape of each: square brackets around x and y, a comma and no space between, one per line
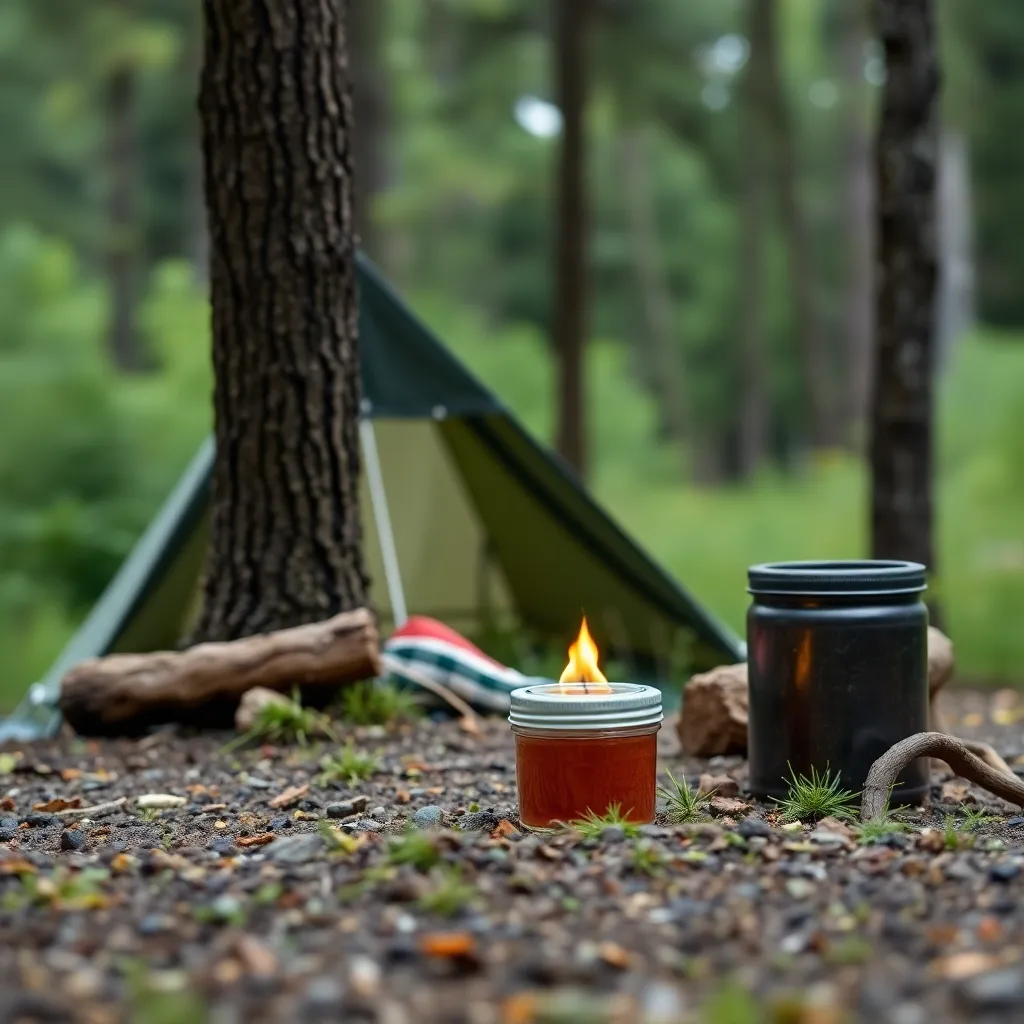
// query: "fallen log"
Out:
[123,693]
[884,772]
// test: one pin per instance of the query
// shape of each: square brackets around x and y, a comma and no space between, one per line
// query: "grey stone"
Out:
[750,827]
[1015,822]
[37,819]
[363,825]
[280,822]
[479,821]
[613,834]
[8,829]
[346,808]
[1004,870]
[72,839]
[222,845]
[297,849]
[995,990]
[324,994]
[823,837]
[430,816]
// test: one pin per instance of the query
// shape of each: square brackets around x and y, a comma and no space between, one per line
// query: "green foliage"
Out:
[449,895]
[815,797]
[730,1004]
[283,723]
[876,831]
[349,766]
[592,824]
[416,848]
[684,804]
[958,831]
[372,703]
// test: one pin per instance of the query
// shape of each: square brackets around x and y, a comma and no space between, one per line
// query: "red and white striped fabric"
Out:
[430,647]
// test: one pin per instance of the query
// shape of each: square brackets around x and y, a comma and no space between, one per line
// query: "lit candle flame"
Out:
[582,667]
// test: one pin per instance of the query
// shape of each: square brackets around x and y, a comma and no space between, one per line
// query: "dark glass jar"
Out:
[837,656]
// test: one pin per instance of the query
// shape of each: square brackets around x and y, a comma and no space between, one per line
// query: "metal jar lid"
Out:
[866,578]
[581,706]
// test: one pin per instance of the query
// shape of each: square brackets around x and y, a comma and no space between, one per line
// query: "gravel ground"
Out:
[239,905]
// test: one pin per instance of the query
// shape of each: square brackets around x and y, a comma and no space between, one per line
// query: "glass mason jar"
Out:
[585,747]
[837,658]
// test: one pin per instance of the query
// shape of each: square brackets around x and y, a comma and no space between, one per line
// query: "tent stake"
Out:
[382,519]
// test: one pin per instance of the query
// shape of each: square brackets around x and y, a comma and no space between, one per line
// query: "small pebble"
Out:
[8,829]
[297,849]
[224,846]
[280,822]
[430,816]
[72,839]
[823,837]
[994,991]
[613,834]
[324,994]
[346,808]
[750,827]
[1004,871]
[37,819]
[479,821]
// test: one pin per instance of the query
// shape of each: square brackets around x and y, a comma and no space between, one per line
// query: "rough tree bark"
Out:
[570,300]
[802,277]
[858,227]
[276,112]
[905,167]
[754,142]
[122,260]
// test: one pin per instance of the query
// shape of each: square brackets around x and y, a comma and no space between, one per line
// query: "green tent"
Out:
[467,519]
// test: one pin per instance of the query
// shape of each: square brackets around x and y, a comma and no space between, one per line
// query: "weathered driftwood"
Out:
[123,692]
[884,772]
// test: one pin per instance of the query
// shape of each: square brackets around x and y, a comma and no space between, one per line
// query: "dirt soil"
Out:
[240,905]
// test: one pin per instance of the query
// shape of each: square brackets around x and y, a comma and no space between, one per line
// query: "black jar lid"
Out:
[866,577]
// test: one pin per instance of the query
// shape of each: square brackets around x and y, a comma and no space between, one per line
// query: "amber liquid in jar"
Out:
[563,776]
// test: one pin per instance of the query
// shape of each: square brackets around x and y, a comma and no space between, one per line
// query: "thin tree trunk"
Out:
[570,300]
[858,231]
[198,235]
[810,338]
[756,158]
[275,105]
[370,103]
[123,241]
[655,299]
[906,163]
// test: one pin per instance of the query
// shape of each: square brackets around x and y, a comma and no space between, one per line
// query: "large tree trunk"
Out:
[858,233]
[756,149]
[655,299]
[906,161]
[276,111]
[123,241]
[570,300]
[810,338]
[370,102]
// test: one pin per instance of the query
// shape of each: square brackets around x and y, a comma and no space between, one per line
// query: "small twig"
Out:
[110,805]
[392,664]
[883,773]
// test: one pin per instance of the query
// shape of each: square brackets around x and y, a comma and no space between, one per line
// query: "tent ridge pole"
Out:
[382,520]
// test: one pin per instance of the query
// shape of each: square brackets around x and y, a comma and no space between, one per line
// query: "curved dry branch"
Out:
[885,770]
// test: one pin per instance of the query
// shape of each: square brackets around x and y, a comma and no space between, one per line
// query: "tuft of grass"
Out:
[875,831]
[974,819]
[349,766]
[285,723]
[593,824]
[730,1004]
[415,848]
[372,703]
[449,896]
[684,804]
[646,859]
[819,796]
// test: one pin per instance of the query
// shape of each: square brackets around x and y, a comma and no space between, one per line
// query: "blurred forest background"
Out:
[728,157]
